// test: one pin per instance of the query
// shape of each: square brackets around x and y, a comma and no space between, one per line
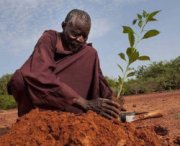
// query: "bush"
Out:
[113,83]
[158,76]
[7,102]
[3,84]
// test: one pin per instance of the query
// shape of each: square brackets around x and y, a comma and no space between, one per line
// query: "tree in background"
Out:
[6,101]
[3,84]
[156,77]
[166,75]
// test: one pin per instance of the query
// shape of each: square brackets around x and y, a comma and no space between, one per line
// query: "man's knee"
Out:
[18,89]
[16,85]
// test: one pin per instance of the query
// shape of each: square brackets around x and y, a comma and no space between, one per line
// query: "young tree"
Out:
[132,54]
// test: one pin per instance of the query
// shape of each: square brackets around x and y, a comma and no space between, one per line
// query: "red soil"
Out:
[53,128]
[62,129]
[169,105]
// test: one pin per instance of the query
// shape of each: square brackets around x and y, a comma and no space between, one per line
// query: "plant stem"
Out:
[122,83]
[139,38]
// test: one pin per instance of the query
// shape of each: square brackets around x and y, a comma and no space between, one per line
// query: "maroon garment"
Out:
[53,77]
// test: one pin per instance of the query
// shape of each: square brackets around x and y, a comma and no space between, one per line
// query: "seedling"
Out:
[132,54]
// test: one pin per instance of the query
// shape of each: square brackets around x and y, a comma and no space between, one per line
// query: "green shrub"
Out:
[7,102]
[3,84]
[158,76]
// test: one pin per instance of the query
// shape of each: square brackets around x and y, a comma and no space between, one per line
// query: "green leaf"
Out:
[144,58]
[120,67]
[122,56]
[151,15]
[133,57]
[152,19]
[134,21]
[154,13]
[131,74]
[129,51]
[145,14]
[140,24]
[127,29]
[150,33]
[139,16]
[131,39]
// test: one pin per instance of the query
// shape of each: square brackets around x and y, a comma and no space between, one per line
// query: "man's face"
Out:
[76,34]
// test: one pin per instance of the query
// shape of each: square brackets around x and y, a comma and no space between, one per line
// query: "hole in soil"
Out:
[161,130]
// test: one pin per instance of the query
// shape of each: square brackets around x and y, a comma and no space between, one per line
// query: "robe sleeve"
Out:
[44,87]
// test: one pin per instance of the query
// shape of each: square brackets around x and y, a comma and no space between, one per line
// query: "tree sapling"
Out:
[132,54]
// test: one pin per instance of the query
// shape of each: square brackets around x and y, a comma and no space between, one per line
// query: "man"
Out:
[63,73]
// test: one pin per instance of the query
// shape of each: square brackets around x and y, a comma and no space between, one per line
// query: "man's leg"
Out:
[18,89]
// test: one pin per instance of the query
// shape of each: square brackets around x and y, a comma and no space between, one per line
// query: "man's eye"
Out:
[75,34]
[85,36]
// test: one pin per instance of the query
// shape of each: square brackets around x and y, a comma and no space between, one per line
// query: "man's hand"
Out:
[105,107]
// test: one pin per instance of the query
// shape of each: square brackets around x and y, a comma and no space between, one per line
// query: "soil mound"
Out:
[50,128]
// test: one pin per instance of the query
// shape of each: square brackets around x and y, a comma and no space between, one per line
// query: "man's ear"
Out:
[63,24]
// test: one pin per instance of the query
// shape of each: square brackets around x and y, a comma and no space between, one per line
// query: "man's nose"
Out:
[80,39]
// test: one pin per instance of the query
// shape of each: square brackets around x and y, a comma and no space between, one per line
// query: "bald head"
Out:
[76,27]
[78,15]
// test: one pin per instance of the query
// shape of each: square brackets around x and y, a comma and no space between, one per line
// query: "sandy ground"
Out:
[167,102]
[7,118]
[169,105]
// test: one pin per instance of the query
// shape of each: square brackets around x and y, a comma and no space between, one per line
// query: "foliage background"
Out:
[6,101]
[156,77]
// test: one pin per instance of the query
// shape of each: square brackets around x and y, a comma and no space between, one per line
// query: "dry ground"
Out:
[167,102]
[169,105]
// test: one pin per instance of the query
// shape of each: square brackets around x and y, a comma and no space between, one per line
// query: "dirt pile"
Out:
[49,128]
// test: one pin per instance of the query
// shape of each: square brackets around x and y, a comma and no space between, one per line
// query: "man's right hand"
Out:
[105,107]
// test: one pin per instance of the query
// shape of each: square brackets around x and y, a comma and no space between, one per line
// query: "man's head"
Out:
[76,27]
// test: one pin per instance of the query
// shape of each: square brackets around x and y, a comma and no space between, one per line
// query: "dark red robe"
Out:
[52,77]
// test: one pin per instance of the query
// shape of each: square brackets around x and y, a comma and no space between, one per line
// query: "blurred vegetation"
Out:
[3,84]
[6,101]
[157,77]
